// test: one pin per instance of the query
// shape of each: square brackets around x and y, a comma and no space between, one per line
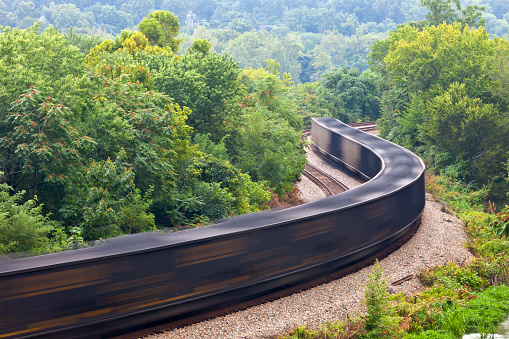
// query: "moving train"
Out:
[143,278]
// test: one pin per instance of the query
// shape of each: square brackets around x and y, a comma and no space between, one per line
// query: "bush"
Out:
[23,227]
[453,276]
[381,321]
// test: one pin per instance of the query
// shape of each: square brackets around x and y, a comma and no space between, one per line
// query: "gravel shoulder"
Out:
[439,239]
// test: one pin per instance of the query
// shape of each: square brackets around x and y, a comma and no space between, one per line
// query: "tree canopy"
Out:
[440,89]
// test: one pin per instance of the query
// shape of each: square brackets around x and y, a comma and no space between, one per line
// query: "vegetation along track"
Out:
[144,278]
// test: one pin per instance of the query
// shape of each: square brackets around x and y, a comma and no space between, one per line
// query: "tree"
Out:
[439,55]
[467,128]
[85,42]
[206,84]
[270,149]
[314,100]
[200,46]
[441,11]
[33,119]
[441,86]
[358,93]
[266,138]
[41,150]
[6,17]
[106,201]
[68,15]
[110,18]
[48,62]
[161,28]
[380,320]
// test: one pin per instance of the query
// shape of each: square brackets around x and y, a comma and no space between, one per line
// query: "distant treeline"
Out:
[308,38]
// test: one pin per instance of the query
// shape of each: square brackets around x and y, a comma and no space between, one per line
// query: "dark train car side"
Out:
[142,278]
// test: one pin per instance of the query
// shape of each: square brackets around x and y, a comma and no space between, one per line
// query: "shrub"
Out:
[23,227]
[381,321]
[501,223]
[453,276]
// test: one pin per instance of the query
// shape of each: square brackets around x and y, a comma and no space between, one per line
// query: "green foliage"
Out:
[153,30]
[248,195]
[31,58]
[358,93]
[207,84]
[380,320]
[215,189]
[270,149]
[493,267]
[60,147]
[314,100]
[489,308]
[501,223]
[453,276]
[84,42]
[269,89]
[62,240]
[67,15]
[432,334]
[105,201]
[23,227]
[42,149]
[467,128]
[219,150]
[441,11]
[161,29]
[201,46]
[301,333]
[438,93]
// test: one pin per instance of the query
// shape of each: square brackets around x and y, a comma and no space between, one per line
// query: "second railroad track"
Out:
[327,183]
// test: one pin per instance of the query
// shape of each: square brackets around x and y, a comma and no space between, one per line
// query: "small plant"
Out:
[381,320]
[302,333]
[375,294]
[501,223]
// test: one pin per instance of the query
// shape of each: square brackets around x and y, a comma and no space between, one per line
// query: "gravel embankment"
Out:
[440,239]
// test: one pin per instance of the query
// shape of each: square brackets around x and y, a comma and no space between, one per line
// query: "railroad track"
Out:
[364,126]
[328,184]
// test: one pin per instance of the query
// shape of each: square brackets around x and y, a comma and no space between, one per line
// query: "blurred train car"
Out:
[141,278]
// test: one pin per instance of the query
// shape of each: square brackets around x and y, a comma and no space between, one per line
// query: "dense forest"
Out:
[119,117]
[307,38]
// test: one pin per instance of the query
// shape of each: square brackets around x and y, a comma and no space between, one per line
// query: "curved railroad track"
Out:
[328,184]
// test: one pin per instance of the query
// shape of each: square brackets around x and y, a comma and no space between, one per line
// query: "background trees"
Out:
[438,91]
[107,150]
[154,128]
[325,34]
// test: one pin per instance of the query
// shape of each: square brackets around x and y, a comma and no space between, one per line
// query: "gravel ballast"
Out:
[439,239]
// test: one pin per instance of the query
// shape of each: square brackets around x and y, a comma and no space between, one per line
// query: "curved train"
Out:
[142,278]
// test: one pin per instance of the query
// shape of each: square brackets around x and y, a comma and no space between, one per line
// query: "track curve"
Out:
[328,184]
[142,278]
